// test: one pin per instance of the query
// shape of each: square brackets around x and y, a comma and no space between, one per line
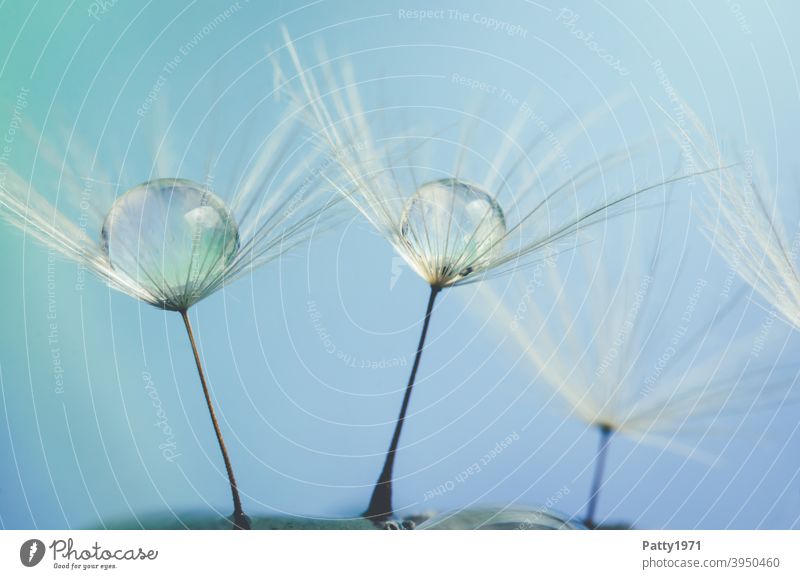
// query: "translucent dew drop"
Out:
[172,237]
[456,227]
[501,518]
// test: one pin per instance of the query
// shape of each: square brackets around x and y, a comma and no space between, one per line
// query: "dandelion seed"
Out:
[629,355]
[451,231]
[745,224]
[173,242]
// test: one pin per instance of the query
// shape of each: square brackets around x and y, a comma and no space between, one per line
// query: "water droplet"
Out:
[172,237]
[501,518]
[454,227]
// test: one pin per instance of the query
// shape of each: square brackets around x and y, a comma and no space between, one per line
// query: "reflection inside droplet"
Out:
[171,237]
[456,227]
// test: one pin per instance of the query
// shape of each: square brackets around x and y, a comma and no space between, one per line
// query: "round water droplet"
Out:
[454,228]
[501,518]
[172,237]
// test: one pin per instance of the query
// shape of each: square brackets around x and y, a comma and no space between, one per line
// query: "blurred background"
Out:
[102,418]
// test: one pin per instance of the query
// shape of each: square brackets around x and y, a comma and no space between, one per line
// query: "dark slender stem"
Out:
[380,505]
[240,519]
[599,467]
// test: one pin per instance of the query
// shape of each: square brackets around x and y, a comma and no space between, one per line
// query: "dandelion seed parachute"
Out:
[746,225]
[451,230]
[638,345]
[172,242]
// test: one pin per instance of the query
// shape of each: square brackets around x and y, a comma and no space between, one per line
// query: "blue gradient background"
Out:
[306,430]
